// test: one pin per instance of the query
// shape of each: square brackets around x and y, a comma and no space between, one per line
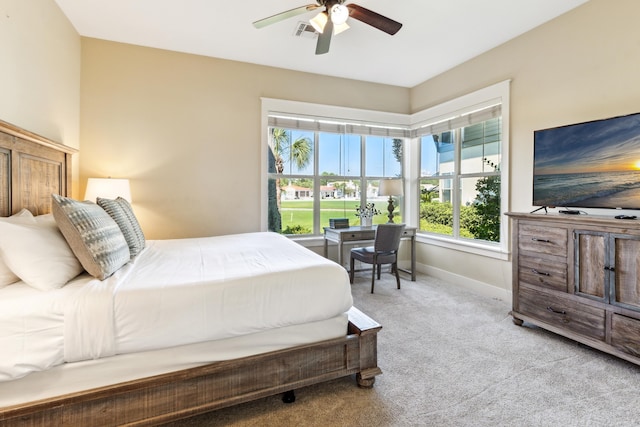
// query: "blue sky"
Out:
[340,155]
[598,146]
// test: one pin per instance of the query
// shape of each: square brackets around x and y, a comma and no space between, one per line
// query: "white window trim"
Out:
[484,97]
[281,106]
[498,92]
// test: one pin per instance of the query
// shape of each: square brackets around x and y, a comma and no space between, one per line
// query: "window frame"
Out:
[482,98]
[343,114]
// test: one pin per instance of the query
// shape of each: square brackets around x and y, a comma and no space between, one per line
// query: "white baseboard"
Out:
[473,285]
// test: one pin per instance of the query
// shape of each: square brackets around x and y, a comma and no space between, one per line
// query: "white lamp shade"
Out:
[338,28]
[390,187]
[319,21]
[107,188]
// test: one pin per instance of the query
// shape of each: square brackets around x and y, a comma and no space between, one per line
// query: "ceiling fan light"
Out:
[338,28]
[339,14]
[319,21]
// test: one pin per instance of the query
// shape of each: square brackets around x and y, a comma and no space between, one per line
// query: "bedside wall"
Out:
[40,72]
[186,130]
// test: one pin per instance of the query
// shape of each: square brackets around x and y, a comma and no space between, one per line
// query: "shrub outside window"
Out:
[460,182]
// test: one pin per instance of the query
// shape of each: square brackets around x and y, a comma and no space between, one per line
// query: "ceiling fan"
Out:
[333,20]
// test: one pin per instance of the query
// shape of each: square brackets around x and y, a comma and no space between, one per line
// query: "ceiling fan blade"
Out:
[285,15]
[374,19]
[324,38]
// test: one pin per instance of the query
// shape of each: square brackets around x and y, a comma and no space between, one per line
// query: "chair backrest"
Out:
[388,237]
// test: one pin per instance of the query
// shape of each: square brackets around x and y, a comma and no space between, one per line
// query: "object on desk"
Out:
[390,187]
[358,236]
[625,217]
[339,222]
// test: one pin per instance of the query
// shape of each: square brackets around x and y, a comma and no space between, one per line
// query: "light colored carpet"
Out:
[452,358]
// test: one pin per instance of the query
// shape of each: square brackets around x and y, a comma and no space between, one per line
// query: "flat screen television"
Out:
[588,165]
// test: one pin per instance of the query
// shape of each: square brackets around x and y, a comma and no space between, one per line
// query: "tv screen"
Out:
[588,165]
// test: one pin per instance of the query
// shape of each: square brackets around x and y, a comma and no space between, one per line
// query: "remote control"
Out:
[625,217]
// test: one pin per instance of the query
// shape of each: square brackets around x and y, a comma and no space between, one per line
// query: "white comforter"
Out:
[175,292]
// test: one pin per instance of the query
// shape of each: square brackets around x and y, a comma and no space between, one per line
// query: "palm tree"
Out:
[284,151]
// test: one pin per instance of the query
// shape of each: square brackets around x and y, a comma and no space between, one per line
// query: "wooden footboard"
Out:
[189,392]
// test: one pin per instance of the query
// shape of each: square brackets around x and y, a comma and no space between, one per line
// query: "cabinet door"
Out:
[591,253]
[626,288]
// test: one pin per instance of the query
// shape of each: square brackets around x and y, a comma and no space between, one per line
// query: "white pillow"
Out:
[37,253]
[7,276]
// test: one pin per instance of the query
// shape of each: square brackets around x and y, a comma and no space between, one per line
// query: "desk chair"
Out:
[383,251]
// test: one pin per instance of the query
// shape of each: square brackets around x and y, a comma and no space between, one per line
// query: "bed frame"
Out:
[31,168]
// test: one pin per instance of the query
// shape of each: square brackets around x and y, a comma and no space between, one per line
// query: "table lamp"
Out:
[390,187]
[107,188]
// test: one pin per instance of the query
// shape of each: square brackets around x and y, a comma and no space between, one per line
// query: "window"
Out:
[462,151]
[349,168]
[460,182]
[320,169]
[452,158]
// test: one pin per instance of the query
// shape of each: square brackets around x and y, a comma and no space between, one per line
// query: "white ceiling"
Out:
[436,35]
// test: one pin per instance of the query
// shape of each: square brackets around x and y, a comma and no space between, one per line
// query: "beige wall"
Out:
[186,130]
[40,71]
[582,66]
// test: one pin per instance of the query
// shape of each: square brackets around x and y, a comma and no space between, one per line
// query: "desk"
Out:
[364,235]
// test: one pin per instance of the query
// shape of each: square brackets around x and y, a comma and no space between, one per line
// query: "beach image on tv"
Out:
[591,165]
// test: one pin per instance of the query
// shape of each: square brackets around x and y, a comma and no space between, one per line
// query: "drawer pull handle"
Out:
[609,268]
[535,239]
[542,273]
[551,309]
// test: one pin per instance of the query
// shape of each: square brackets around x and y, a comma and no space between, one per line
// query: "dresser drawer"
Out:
[563,312]
[541,272]
[625,334]
[538,239]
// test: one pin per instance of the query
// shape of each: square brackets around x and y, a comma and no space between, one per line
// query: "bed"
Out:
[130,372]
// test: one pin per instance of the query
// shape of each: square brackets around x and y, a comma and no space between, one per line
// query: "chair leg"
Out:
[379,270]
[373,277]
[351,271]
[395,268]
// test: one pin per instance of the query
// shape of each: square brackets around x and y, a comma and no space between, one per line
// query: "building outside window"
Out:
[460,181]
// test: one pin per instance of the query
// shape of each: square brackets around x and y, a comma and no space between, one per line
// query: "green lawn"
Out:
[300,212]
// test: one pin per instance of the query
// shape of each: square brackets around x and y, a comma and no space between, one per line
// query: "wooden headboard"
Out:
[31,168]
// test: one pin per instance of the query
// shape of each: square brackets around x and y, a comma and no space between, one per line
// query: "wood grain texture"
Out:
[627,265]
[563,312]
[591,275]
[5,173]
[189,392]
[600,304]
[31,168]
[542,240]
[543,272]
[625,334]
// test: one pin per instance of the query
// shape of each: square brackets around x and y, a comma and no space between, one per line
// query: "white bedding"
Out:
[176,292]
[89,374]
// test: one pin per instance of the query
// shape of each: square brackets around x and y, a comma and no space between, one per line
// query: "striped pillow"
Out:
[94,237]
[126,220]
[128,210]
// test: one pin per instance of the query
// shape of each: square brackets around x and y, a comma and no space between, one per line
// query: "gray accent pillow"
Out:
[123,215]
[128,210]
[94,237]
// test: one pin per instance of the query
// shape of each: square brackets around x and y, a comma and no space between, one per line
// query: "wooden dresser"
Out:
[579,276]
